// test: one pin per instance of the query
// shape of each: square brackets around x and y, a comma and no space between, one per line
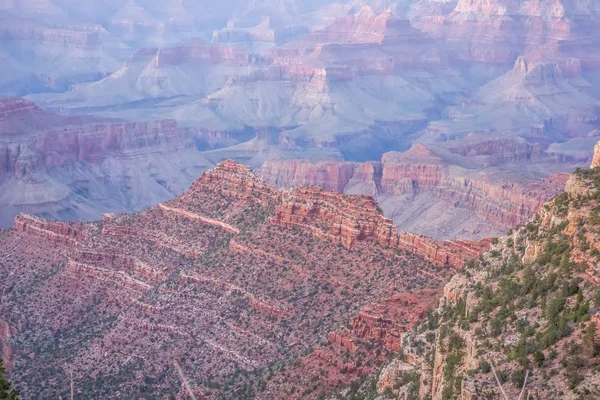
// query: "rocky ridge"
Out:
[213,280]
[525,313]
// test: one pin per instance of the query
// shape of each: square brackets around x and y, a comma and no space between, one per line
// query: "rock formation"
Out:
[78,167]
[559,245]
[596,158]
[347,220]
[420,174]
[232,275]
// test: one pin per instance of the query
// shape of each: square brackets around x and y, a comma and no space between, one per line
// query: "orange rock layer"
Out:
[347,220]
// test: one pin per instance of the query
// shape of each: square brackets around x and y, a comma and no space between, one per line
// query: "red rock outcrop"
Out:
[93,144]
[443,253]
[55,232]
[234,179]
[331,175]
[231,300]
[347,220]
[342,219]
[342,341]
[386,321]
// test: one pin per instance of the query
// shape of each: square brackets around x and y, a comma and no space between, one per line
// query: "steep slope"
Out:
[526,312]
[211,293]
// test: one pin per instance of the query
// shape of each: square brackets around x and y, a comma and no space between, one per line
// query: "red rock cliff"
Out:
[402,177]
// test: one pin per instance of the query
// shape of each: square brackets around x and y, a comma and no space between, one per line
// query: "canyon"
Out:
[79,167]
[456,136]
[299,199]
[440,181]
[224,281]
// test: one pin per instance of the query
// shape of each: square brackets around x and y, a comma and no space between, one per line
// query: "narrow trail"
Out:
[184,380]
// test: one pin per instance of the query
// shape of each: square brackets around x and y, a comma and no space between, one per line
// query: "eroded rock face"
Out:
[443,253]
[55,232]
[570,221]
[214,280]
[78,167]
[498,32]
[391,373]
[347,220]
[402,180]
[333,176]
[385,322]
[343,219]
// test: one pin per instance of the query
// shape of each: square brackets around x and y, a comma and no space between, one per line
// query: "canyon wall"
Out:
[402,180]
[221,272]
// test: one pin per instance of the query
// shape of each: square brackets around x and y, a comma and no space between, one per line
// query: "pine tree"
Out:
[6,390]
